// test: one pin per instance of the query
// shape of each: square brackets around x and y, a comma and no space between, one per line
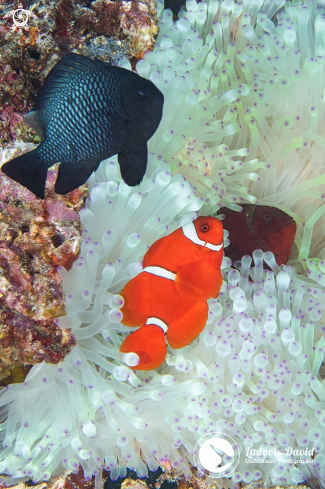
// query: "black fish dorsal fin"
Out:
[60,75]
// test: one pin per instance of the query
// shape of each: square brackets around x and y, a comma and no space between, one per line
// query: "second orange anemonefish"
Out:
[259,226]
[168,299]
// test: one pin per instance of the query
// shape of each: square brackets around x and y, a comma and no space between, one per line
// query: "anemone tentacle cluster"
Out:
[243,122]
[78,412]
[244,114]
[252,373]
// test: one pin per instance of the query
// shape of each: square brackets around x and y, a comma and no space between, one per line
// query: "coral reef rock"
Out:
[35,238]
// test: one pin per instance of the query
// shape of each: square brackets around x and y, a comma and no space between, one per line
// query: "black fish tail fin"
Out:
[29,170]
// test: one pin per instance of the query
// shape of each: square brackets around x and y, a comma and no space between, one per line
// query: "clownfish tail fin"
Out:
[148,345]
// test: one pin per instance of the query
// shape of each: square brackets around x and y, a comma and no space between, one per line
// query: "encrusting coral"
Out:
[35,237]
[255,371]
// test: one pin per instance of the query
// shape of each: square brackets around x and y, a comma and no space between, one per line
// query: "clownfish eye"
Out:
[143,95]
[267,217]
[204,227]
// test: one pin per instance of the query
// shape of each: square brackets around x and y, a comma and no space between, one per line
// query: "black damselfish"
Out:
[87,111]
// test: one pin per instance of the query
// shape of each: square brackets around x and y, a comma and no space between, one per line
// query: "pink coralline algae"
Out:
[35,237]
[9,120]
[13,104]
[138,23]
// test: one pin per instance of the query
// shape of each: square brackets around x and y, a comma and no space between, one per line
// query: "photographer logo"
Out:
[20,17]
[217,453]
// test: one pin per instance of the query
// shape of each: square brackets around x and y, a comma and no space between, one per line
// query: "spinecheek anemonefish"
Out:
[259,226]
[168,299]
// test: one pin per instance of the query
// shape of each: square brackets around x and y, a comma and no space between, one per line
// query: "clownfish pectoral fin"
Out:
[149,344]
[198,281]
[185,329]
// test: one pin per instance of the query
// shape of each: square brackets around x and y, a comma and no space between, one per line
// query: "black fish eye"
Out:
[143,95]
[267,217]
[204,228]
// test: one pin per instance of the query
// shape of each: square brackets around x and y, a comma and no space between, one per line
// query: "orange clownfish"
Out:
[168,299]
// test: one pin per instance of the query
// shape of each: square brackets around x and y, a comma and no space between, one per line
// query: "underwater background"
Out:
[243,123]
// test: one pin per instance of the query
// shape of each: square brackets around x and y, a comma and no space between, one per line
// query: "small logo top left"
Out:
[20,17]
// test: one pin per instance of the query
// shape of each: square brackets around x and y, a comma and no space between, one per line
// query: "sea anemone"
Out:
[244,107]
[231,77]
[252,373]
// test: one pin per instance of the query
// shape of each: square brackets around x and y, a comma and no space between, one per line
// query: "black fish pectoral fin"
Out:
[34,120]
[72,176]
[133,163]
[29,171]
